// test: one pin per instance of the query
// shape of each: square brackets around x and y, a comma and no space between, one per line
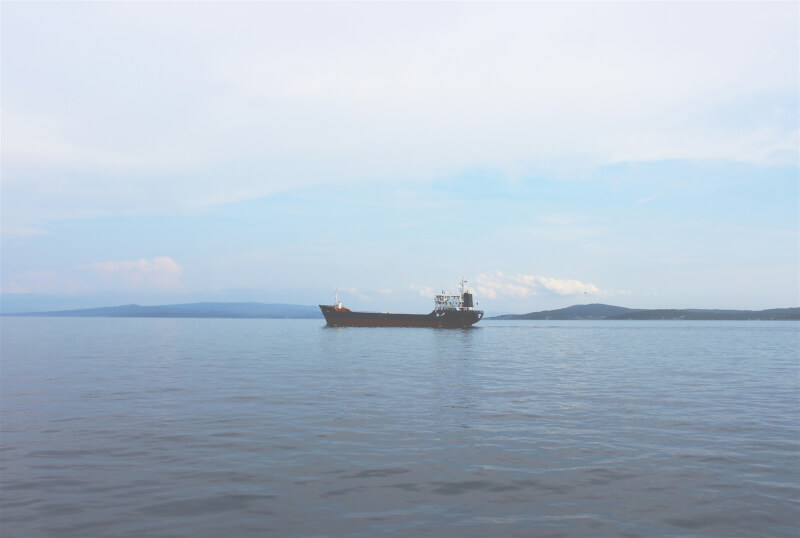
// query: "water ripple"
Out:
[125,427]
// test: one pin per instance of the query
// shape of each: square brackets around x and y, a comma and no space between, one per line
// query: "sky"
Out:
[642,154]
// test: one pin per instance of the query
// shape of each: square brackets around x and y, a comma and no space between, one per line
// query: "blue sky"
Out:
[640,154]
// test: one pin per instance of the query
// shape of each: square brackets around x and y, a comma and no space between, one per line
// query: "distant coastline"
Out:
[610,312]
[189,310]
[292,311]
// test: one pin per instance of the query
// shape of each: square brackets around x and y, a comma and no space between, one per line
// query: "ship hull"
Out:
[346,318]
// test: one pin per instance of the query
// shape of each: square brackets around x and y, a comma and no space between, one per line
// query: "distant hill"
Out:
[694,314]
[582,311]
[191,310]
[609,312]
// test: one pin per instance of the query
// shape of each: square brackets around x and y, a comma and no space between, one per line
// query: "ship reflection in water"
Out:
[450,310]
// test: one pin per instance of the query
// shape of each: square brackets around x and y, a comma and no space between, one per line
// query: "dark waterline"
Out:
[174,427]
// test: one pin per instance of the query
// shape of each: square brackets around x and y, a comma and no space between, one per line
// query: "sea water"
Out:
[216,427]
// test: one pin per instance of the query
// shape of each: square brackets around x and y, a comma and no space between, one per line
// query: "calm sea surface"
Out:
[226,428]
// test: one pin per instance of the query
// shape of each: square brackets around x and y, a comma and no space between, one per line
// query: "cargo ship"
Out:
[450,310]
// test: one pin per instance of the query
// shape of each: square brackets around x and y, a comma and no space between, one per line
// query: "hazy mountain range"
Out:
[292,311]
[190,310]
[609,312]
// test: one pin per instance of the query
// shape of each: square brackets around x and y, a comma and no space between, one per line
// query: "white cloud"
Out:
[355,292]
[522,286]
[22,231]
[44,282]
[424,291]
[283,95]
[158,274]
[140,277]
[14,288]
